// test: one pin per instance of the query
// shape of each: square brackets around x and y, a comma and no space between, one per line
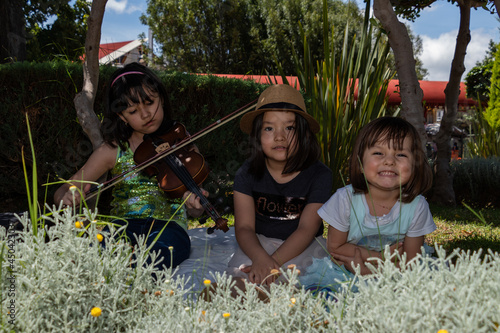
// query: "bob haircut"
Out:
[131,85]
[391,131]
[307,150]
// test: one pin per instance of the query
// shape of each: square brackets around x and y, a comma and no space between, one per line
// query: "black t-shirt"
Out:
[278,206]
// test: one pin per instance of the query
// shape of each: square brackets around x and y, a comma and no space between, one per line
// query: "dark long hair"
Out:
[307,150]
[130,85]
[393,131]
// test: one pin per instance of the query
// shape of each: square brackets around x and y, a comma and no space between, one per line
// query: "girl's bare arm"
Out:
[102,160]
[300,239]
[244,224]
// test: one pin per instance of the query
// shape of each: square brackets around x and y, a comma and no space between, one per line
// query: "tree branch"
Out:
[409,87]
[84,100]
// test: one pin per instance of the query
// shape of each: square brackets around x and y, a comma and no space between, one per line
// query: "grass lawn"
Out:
[458,227]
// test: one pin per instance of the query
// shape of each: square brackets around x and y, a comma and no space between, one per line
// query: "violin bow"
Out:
[186,141]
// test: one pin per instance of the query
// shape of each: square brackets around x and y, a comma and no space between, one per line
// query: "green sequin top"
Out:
[138,196]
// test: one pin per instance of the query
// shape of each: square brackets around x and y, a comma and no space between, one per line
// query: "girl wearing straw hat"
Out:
[279,188]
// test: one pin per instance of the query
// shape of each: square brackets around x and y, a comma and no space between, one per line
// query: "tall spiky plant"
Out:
[347,93]
[486,139]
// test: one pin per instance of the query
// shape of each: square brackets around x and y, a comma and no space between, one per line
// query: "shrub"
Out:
[476,181]
[68,282]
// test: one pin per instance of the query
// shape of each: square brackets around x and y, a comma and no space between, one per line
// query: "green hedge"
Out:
[477,181]
[46,91]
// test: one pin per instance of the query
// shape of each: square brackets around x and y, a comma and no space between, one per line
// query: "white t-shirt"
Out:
[337,210]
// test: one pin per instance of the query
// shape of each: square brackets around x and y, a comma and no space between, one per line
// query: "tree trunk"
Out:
[497,6]
[84,100]
[443,186]
[12,31]
[409,87]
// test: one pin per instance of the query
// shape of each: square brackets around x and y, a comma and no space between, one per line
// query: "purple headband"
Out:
[126,73]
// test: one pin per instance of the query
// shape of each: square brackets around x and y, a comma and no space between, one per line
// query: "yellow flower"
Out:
[291,266]
[293,300]
[170,292]
[442,331]
[207,282]
[171,248]
[99,237]
[96,312]
[202,317]
[274,271]
[73,188]
[226,315]
[78,224]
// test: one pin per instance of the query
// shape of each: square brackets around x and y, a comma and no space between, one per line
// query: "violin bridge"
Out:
[162,147]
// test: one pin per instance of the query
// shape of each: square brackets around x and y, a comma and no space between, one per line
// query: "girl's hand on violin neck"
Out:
[193,204]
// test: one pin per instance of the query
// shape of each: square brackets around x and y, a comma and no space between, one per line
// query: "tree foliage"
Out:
[41,30]
[241,36]
[56,28]
[492,114]
[478,80]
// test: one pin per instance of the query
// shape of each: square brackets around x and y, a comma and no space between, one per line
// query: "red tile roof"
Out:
[105,49]
[433,90]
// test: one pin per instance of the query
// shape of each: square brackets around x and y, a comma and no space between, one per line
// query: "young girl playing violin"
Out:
[137,105]
[279,189]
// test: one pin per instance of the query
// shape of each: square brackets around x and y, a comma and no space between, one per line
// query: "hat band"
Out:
[280,105]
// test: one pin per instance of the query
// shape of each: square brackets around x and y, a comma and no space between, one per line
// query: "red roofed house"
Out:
[121,53]
[434,98]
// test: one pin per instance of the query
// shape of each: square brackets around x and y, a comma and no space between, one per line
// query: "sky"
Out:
[437,26]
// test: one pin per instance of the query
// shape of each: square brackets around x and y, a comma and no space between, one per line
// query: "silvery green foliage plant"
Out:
[60,278]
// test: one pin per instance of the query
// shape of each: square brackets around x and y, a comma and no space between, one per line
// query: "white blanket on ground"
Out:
[209,255]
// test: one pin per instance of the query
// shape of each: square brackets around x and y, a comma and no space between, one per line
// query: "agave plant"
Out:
[486,140]
[346,93]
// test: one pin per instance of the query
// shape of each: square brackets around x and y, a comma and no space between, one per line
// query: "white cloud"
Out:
[122,6]
[476,51]
[116,6]
[438,53]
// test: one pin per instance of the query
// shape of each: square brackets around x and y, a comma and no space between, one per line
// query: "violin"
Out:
[178,172]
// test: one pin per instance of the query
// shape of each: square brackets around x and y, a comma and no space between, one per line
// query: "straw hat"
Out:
[279,97]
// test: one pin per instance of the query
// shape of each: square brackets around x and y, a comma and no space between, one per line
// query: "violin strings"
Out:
[181,171]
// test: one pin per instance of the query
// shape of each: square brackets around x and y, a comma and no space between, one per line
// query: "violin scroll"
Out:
[220,224]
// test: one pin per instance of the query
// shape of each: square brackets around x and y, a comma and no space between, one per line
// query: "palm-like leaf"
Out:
[345,94]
